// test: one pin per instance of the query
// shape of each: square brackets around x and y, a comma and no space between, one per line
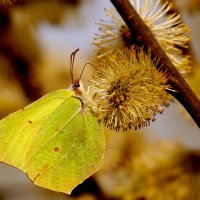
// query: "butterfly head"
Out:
[76,85]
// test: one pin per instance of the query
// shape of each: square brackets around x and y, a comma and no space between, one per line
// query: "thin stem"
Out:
[183,93]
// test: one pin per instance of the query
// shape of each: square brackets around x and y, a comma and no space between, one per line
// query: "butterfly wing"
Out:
[54,141]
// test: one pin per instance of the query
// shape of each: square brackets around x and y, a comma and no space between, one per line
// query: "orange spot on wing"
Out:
[56,149]
[57,129]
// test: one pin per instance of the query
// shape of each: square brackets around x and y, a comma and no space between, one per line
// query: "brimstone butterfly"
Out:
[57,140]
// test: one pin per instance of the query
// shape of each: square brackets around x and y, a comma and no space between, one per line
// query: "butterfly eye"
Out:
[76,84]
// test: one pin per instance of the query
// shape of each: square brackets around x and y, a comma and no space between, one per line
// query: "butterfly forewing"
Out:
[53,140]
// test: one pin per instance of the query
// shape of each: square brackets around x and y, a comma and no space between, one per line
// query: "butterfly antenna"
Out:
[72,57]
[92,66]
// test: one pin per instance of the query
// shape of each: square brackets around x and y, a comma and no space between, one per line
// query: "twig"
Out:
[183,93]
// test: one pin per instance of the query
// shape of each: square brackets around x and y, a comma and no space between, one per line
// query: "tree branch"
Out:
[183,93]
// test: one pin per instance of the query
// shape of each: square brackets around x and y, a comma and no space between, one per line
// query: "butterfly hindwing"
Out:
[56,142]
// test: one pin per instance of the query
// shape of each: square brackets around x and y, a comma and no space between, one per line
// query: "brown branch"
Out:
[183,93]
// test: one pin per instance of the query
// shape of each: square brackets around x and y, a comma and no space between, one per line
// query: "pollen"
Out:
[129,91]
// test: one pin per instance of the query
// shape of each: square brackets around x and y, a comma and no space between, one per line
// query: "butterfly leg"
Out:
[82,103]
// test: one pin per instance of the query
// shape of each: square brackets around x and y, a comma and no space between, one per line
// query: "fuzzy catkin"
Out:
[168,29]
[129,91]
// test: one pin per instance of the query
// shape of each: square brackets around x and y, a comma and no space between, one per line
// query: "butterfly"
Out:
[56,140]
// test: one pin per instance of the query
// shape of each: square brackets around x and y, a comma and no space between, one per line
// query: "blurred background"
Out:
[158,162]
